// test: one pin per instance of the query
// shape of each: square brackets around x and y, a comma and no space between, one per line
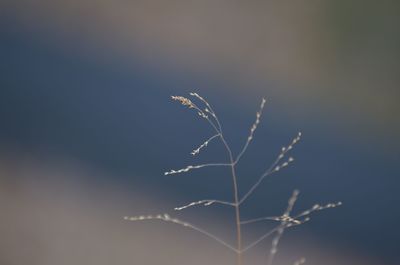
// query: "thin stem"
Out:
[255,185]
[273,218]
[275,243]
[234,177]
[269,233]
[318,207]
[188,168]
[210,110]
[203,145]
[204,203]
[283,218]
[167,218]
[252,130]
[274,167]
[202,114]
[187,102]
[283,225]
[236,205]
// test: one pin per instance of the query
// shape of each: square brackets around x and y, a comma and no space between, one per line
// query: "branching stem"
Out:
[236,201]
[285,220]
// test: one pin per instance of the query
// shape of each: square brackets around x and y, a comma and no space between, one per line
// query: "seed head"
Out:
[184,101]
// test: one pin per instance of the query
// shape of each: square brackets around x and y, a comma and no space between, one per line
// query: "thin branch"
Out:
[204,203]
[291,221]
[275,167]
[318,207]
[209,109]
[267,218]
[272,218]
[282,227]
[252,130]
[167,218]
[188,168]
[295,219]
[284,224]
[291,202]
[218,130]
[266,235]
[236,200]
[269,233]
[285,220]
[187,102]
[197,150]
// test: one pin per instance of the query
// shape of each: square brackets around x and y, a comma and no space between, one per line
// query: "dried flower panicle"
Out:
[187,102]
[286,220]
[184,101]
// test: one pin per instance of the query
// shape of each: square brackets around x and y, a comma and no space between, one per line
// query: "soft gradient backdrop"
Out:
[88,128]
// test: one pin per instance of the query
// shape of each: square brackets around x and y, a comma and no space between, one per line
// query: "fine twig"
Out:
[274,167]
[203,145]
[252,130]
[188,168]
[167,218]
[204,203]
[282,227]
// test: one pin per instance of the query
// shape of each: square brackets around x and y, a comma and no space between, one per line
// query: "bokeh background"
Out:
[88,128]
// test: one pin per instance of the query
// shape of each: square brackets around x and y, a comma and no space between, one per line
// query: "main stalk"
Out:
[237,214]
[237,206]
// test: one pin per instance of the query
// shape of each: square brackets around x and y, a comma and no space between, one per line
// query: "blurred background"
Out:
[88,127]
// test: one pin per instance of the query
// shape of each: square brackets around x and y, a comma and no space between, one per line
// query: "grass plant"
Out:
[283,221]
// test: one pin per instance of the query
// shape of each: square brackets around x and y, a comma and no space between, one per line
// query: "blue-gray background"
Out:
[90,81]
